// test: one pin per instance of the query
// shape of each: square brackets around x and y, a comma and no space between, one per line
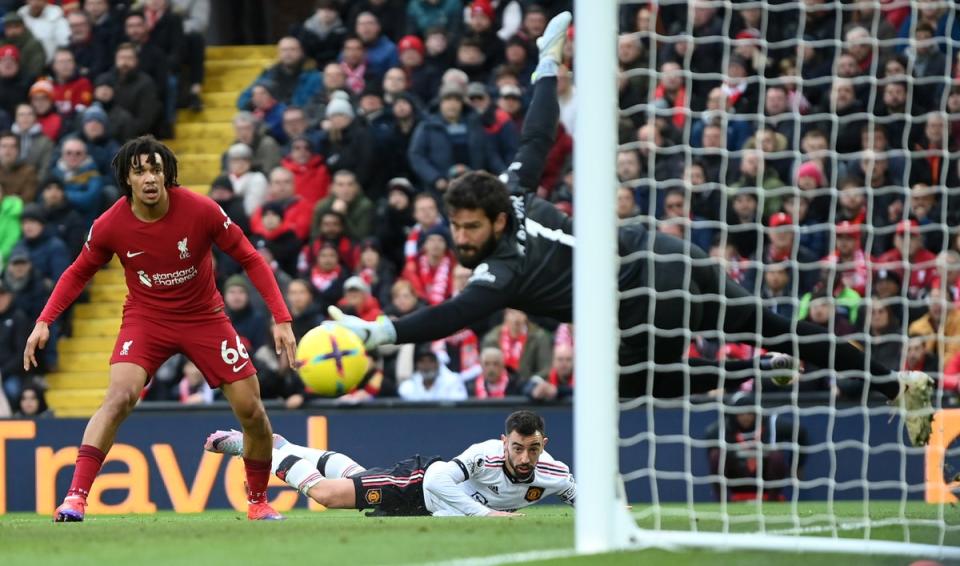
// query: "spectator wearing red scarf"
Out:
[850,260]
[527,348]
[353,61]
[427,214]
[331,230]
[496,380]
[558,384]
[672,92]
[463,348]
[431,271]
[327,276]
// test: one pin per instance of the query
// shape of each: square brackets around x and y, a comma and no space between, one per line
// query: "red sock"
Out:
[89,460]
[258,474]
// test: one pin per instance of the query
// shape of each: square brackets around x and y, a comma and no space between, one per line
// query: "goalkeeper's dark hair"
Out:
[526,423]
[133,149]
[479,189]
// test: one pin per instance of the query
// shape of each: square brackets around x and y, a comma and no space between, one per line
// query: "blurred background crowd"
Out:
[810,147]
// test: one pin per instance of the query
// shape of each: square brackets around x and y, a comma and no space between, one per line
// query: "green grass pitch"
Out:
[348,537]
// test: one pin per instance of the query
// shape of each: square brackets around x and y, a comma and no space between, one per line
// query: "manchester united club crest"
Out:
[374,497]
[533,494]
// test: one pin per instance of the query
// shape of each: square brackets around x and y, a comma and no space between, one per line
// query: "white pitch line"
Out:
[511,558]
[851,526]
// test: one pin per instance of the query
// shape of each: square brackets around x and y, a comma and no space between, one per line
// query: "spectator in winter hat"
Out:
[221,191]
[32,56]
[48,253]
[910,258]
[322,34]
[450,137]
[357,299]
[311,176]
[41,99]
[431,271]
[268,109]
[94,128]
[61,218]
[346,141]
[249,130]
[14,82]
[480,20]
[249,184]
[431,380]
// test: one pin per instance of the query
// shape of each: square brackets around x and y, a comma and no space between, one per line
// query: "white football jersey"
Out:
[486,481]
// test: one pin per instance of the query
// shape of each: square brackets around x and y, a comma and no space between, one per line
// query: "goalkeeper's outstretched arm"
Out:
[429,324]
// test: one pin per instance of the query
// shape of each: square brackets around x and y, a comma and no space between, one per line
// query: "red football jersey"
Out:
[167,263]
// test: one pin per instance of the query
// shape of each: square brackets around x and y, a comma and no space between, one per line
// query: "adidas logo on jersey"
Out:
[482,273]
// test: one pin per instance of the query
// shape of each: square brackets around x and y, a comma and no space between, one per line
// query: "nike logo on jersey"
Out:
[240,367]
[133,254]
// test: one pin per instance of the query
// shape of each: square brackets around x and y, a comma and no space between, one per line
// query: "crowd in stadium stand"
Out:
[811,148]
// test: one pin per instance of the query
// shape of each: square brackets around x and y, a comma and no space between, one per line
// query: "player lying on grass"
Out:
[492,478]
[521,250]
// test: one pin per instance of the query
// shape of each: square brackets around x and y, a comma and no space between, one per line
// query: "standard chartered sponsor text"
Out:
[174,277]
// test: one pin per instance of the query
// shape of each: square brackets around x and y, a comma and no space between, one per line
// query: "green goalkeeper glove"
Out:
[373,334]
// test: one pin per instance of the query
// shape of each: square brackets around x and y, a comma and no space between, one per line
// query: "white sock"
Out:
[330,464]
[547,67]
[299,474]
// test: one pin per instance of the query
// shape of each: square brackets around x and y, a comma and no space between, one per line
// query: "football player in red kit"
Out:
[163,234]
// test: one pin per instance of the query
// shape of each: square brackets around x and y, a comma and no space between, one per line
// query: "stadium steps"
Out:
[77,387]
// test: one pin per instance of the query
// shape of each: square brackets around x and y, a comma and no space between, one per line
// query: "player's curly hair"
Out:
[525,422]
[479,189]
[143,145]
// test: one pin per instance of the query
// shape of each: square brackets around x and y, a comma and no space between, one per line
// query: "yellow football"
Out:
[332,360]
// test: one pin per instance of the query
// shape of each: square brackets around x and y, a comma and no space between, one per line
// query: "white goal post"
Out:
[604,522]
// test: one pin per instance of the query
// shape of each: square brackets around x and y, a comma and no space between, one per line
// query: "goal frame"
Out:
[603,522]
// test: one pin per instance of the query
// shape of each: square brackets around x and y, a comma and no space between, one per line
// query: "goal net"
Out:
[810,149]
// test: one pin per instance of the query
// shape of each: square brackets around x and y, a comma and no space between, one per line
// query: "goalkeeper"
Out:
[520,248]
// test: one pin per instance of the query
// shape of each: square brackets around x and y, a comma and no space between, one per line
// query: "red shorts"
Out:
[209,341]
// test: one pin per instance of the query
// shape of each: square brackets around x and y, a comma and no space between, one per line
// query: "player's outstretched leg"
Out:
[911,392]
[303,475]
[244,397]
[123,392]
[330,464]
